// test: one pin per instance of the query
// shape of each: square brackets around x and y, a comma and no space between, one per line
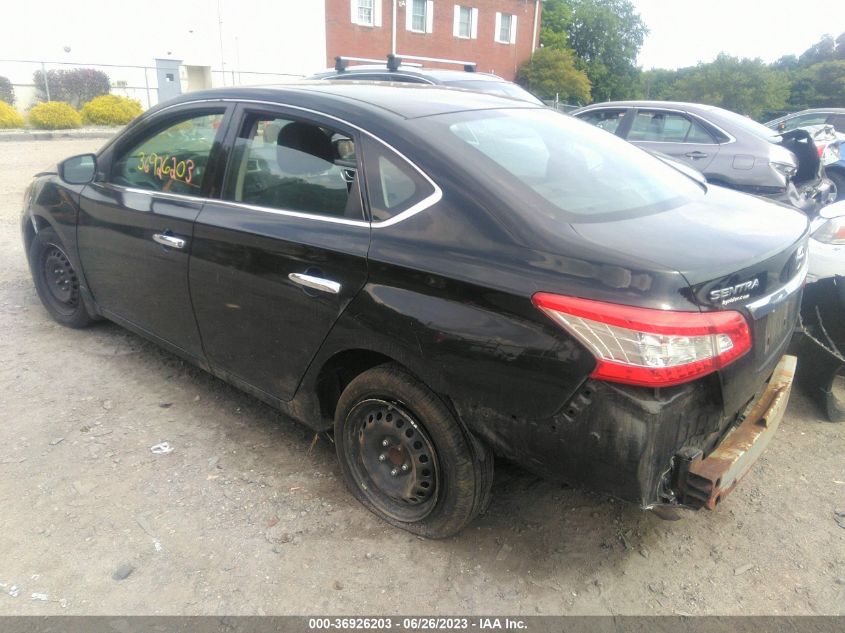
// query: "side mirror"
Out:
[78,170]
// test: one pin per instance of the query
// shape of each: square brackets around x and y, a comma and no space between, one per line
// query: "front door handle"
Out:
[695,155]
[169,240]
[315,283]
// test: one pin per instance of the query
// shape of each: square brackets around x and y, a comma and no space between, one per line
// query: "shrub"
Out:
[76,86]
[111,110]
[7,91]
[54,115]
[9,117]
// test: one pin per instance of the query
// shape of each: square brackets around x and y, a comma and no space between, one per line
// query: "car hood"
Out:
[718,234]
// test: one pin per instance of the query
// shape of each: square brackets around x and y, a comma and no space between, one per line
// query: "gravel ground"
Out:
[247,516]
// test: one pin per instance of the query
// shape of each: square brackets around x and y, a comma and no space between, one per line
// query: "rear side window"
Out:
[294,165]
[838,122]
[605,119]
[393,184]
[667,127]
[172,160]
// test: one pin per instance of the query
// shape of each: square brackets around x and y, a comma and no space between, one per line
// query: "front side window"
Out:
[505,28]
[173,160]
[604,119]
[560,169]
[286,164]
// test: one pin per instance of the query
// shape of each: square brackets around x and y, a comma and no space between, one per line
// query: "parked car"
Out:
[400,71]
[729,149]
[813,116]
[439,276]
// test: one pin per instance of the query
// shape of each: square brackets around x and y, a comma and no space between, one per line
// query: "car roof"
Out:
[340,98]
[680,105]
[433,74]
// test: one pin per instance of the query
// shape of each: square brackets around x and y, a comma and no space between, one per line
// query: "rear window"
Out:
[561,166]
[501,88]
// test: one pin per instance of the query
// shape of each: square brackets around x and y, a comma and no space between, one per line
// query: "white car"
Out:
[827,243]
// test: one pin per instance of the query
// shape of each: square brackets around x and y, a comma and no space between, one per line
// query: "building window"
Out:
[419,16]
[466,22]
[505,28]
[366,12]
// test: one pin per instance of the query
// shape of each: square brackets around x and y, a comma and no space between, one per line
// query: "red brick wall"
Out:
[345,38]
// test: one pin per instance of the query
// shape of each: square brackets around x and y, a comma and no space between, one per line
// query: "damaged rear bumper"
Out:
[703,481]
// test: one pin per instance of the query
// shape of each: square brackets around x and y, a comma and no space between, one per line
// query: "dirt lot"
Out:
[243,517]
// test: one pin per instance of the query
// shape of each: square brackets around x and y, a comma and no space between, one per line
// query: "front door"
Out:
[278,259]
[136,223]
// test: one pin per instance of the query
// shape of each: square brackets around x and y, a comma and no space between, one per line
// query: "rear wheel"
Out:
[56,280]
[835,396]
[405,456]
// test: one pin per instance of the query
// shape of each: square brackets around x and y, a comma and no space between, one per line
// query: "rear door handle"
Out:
[695,155]
[169,240]
[315,283]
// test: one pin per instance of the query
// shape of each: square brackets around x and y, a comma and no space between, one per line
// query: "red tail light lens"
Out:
[653,348]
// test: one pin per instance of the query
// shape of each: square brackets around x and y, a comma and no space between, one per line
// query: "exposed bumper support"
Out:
[705,481]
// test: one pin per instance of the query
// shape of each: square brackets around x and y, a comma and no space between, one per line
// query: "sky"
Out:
[685,32]
[286,35]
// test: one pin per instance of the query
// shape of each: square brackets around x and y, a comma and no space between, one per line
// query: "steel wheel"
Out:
[60,279]
[393,460]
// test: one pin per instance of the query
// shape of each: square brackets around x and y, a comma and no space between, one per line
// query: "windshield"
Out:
[561,166]
[501,88]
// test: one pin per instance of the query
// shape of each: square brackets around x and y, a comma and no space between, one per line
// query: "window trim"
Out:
[375,14]
[422,205]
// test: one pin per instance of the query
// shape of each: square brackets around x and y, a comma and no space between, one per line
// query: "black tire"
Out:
[56,280]
[838,179]
[834,396]
[444,475]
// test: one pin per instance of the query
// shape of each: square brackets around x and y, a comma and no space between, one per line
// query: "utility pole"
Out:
[220,33]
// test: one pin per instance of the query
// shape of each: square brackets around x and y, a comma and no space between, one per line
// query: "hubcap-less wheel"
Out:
[60,279]
[392,459]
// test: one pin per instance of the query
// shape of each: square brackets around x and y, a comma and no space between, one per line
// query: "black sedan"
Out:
[439,277]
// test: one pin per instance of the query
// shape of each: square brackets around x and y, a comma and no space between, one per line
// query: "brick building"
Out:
[496,34]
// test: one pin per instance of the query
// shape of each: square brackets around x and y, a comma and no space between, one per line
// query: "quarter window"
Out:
[667,127]
[605,119]
[292,165]
[394,186]
[174,160]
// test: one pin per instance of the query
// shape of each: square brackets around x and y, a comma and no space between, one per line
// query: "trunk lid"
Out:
[737,252]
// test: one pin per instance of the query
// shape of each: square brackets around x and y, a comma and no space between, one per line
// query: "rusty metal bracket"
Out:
[710,479]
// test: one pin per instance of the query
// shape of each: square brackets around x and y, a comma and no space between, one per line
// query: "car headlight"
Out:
[831,232]
[784,169]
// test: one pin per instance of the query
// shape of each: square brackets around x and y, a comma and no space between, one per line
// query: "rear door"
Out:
[279,257]
[675,134]
[136,220]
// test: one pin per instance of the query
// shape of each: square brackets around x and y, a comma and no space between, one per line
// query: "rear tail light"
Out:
[653,348]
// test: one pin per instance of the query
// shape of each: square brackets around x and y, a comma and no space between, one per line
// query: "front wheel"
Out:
[56,280]
[405,456]
[838,179]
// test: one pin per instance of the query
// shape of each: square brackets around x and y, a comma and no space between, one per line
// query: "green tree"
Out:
[7,91]
[747,86]
[551,72]
[606,36]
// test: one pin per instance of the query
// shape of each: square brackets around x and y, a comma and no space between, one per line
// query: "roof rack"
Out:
[400,60]
[341,63]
